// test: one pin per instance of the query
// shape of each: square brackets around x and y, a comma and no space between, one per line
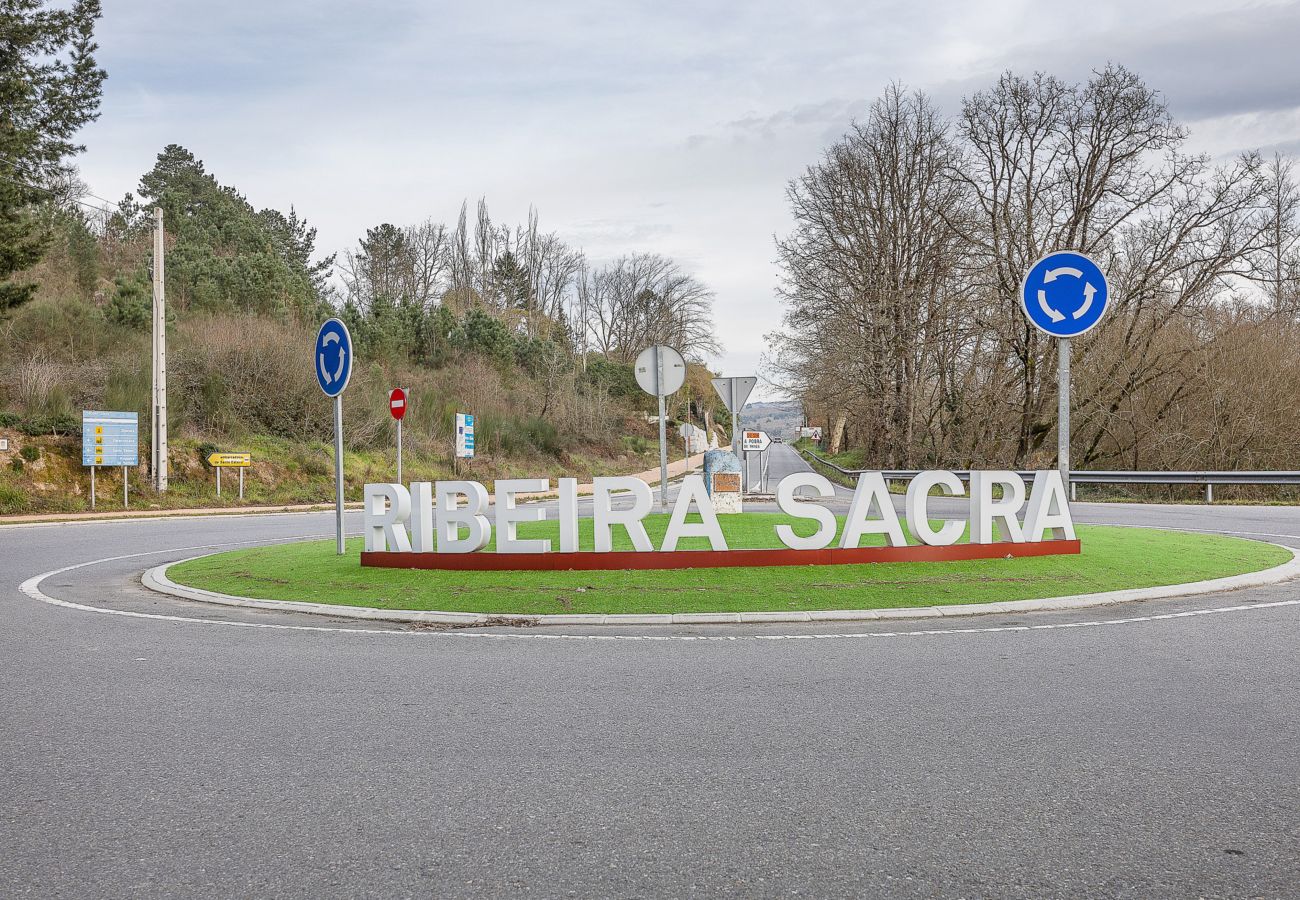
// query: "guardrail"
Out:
[1207,478]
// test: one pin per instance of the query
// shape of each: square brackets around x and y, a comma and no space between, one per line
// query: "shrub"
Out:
[30,453]
[52,423]
[9,420]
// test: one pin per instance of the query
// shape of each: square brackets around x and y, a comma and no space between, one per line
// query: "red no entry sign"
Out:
[397,403]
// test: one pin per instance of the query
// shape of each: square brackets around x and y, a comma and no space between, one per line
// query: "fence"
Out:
[1208,478]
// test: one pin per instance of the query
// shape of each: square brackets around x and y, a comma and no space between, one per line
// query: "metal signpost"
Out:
[687,432]
[397,406]
[109,439]
[238,461]
[464,436]
[734,392]
[1064,295]
[332,360]
[660,371]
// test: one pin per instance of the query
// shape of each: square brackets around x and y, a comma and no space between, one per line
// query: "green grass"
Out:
[1112,559]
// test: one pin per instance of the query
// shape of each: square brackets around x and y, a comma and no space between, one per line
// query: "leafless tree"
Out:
[646,299]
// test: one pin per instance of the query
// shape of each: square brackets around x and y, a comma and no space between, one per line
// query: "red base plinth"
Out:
[707,559]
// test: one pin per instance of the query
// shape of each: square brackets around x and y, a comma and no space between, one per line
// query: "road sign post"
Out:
[110,439]
[332,360]
[660,371]
[238,461]
[734,392]
[1064,295]
[397,408]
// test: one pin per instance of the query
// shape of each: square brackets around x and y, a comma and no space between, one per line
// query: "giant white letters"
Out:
[451,516]
[693,493]
[457,513]
[786,492]
[605,516]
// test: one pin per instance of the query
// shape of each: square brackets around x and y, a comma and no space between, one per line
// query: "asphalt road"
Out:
[1111,754]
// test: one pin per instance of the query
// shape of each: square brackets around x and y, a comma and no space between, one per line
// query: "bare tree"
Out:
[646,299]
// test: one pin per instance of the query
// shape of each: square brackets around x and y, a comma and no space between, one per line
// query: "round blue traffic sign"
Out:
[1064,294]
[333,357]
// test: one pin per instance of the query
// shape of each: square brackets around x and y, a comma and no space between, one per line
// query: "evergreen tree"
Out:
[224,254]
[49,88]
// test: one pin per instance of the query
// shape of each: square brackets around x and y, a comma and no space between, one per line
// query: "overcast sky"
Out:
[662,126]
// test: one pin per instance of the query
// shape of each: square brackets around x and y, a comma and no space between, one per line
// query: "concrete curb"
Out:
[156,579]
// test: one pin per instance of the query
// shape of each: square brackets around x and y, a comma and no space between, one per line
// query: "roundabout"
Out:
[1064,752]
[1117,564]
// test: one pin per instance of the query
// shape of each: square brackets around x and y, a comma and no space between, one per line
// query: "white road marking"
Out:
[31,588]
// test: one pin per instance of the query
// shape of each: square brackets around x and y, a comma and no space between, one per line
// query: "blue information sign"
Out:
[464,435]
[1064,294]
[333,357]
[110,438]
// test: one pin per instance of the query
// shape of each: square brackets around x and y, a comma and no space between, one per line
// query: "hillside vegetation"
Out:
[470,318]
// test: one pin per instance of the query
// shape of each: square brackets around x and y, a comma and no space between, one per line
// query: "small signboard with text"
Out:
[230,460]
[464,436]
[110,438]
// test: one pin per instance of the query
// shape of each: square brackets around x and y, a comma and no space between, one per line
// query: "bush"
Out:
[13,499]
[29,453]
[53,423]
[9,420]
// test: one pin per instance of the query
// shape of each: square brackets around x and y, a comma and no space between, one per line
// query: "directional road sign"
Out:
[1064,294]
[397,403]
[735,391]
[110,438]
[754,441]
[333,357]
[647,367]
[230,460]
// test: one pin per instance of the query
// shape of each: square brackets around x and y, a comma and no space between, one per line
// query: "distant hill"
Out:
[779,420]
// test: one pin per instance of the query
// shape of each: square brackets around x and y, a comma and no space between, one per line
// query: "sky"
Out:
[667,127]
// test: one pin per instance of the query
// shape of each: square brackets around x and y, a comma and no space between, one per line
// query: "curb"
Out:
[155,579]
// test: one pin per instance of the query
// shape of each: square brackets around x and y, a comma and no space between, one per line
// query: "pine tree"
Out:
[49,88]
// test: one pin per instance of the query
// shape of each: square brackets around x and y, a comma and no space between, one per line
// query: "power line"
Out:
[32,174]
[57,196]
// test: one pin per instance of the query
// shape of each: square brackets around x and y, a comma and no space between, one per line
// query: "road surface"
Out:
[1111,754]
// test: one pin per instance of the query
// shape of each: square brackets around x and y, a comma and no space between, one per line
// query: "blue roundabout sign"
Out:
[333,357]
[1064,294]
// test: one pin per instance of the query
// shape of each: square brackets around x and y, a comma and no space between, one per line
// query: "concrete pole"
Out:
[1063,410]
[159,356]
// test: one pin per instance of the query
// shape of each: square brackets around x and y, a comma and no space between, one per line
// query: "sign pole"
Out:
[92,486]
[663,432]
[338,474]
[1063,409]
[125,500]
[241,483]
[218,482]
[399,451]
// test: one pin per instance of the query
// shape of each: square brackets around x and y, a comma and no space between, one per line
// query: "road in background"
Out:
[154,757]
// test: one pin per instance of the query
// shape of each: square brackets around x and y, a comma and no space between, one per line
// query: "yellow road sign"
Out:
[229,460]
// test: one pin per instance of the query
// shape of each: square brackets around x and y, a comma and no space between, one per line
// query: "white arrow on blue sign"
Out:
[333,357]
[1064,294]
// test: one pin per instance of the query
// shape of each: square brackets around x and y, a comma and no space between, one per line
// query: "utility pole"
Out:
[159,441]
